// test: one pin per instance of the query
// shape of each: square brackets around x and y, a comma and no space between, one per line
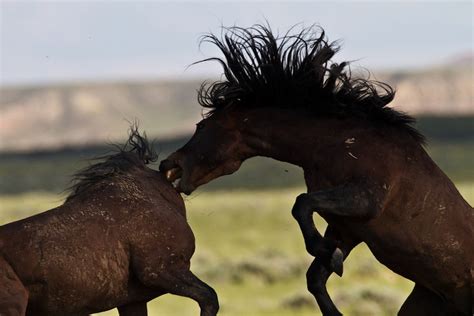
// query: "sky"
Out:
[62,41]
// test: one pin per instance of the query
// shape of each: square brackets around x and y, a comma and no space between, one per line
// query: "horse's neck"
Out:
[332,151]
[301,140]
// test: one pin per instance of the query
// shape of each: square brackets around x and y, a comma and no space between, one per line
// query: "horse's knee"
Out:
[299,208]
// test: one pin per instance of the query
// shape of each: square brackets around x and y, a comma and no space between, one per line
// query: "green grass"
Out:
[251,251]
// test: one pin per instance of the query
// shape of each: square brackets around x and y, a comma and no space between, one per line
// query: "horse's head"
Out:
[214,150]
[262,71]
[273,86]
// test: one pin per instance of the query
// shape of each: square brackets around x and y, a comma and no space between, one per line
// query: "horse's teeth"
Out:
[173,174]
[175,183]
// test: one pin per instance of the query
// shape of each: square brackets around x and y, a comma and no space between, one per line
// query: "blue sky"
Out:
[59,41]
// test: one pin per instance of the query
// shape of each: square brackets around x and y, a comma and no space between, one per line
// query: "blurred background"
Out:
[73,74]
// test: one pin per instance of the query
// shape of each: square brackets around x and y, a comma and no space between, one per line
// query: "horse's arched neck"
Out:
[291,136]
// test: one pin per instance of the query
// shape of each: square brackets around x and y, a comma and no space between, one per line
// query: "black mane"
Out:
[295,71]
[136,152]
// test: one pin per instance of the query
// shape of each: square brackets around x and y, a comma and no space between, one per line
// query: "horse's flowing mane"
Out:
[136,152]
[294,71]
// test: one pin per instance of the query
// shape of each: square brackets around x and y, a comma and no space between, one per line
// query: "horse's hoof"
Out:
[336,262]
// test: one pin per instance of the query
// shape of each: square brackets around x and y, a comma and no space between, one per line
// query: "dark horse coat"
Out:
[120,240]
[365,167]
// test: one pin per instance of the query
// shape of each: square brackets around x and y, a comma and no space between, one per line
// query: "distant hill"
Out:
[442,90]
[78,114]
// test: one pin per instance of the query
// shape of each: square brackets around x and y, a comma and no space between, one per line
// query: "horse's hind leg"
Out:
[133,309]
[423,302]
[184,283]
[13,295]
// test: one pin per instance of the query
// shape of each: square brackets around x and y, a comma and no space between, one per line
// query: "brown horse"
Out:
[120,240]
[365,167]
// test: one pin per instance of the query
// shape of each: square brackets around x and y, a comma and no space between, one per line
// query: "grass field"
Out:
[250,250]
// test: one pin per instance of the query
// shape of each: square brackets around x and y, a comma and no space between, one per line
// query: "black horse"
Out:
[364,164]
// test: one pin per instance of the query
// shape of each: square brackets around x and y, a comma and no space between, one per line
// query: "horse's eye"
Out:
[199,126]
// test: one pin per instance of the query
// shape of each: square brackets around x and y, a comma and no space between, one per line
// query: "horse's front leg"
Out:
[323,249]
[357,199]
[318,273]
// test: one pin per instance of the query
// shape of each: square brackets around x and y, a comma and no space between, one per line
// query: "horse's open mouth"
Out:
[174,175]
